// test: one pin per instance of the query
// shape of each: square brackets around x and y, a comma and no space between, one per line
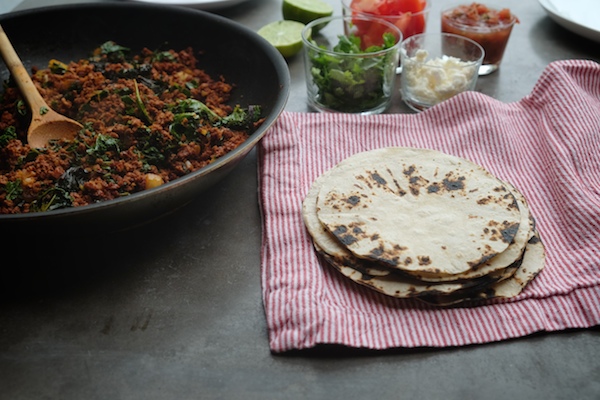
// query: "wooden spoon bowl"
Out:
[46,124]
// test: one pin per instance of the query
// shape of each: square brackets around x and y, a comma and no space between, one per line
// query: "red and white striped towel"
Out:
[547,145]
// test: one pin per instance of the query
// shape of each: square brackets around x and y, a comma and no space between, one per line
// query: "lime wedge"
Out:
[285,35]
[305,11]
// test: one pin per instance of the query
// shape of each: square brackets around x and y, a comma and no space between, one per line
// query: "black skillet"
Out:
[70,32]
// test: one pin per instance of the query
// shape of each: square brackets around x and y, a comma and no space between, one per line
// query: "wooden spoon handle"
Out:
[21,76]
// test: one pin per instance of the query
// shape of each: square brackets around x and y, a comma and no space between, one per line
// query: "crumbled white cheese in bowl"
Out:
[428,80]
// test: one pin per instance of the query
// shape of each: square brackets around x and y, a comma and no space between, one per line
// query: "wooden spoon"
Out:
[46,124]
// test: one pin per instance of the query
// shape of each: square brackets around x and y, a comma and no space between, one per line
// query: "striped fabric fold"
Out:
[547,145]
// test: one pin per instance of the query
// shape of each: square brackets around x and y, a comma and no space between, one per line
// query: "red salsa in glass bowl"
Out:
[410,16]
[489,27]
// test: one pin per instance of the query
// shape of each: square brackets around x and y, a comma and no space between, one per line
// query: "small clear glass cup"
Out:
[350,82]
[409,23]
[492,37]
[436,67]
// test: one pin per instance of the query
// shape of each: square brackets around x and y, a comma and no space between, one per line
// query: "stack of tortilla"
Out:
[418,223]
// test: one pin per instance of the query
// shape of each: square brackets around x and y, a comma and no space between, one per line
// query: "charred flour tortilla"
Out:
[496,265]
[531,265]
[378,277]
[396,285]
[503,275]
[390,282]
[418,210]
[325,242]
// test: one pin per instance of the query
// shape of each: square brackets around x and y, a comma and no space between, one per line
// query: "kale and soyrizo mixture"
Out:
[148,118]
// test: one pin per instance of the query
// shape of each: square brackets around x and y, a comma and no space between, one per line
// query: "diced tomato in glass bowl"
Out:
[410,16]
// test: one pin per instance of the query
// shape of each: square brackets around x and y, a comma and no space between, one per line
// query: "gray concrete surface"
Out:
[174,310]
